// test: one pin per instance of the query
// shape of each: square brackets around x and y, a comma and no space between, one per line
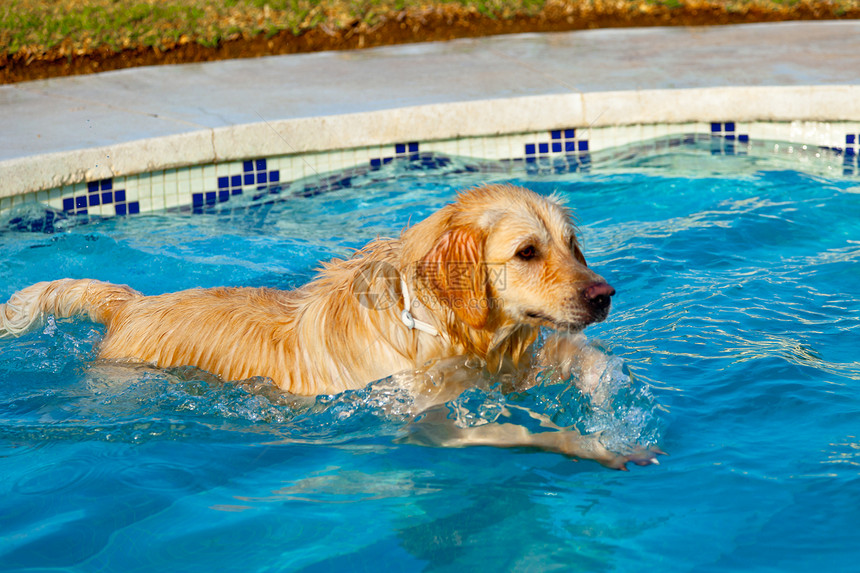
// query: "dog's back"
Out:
[236,333]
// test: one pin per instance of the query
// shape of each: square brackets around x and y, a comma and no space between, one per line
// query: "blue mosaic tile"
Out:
[107,197]
[561,154]
[402,151]
[100,185]
[36,225]
[119,195]
[851,164]
[261,165]
[223,182]
[850,155]
[120,209]
[247,166]
[95,200]
[723,138]
[432,161]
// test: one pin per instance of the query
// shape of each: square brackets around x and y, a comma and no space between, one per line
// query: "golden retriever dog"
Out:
[476,280]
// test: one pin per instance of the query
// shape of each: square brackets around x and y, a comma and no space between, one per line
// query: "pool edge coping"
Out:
[463,119]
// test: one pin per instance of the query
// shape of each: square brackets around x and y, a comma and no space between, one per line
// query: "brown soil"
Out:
[441,23]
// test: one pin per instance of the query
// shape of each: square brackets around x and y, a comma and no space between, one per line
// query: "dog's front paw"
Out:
[640,457]
[590,447]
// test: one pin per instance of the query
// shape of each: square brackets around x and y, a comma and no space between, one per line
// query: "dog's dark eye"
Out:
[527,253]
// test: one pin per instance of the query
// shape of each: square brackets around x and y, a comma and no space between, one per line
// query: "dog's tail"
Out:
[63,298]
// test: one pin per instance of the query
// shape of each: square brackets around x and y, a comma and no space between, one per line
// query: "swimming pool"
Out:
[735,333]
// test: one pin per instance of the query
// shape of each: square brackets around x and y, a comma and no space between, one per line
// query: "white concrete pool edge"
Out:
[462,119]
[72,130]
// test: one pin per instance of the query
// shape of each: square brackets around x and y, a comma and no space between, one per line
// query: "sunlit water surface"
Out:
[734,337]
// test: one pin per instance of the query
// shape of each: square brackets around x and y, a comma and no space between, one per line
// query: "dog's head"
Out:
[502,256]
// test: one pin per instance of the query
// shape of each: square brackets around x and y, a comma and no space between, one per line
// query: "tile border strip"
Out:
[833,146]
[470,119]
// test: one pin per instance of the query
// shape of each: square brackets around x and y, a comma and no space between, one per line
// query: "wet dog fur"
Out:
[486,272]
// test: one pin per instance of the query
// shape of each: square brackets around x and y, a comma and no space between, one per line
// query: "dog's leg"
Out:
[570,356]
[434,428]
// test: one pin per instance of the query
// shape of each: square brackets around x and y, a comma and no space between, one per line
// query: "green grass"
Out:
[71,27]
[42,25]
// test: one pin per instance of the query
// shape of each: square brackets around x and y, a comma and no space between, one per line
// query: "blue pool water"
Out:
[735,336]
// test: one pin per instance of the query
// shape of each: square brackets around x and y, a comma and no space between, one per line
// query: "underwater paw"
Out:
[640,457]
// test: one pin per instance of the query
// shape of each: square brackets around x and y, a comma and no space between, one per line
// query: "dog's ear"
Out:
[455,269]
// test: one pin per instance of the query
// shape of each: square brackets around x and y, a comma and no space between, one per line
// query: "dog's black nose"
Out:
[599,296]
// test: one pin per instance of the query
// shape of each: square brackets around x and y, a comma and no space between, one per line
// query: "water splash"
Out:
[97,400]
